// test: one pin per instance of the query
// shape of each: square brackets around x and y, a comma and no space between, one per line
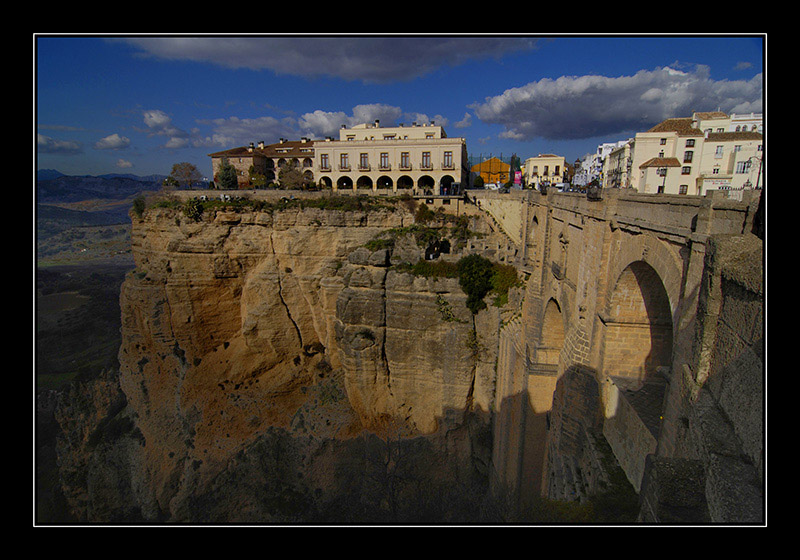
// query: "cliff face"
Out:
[271,362]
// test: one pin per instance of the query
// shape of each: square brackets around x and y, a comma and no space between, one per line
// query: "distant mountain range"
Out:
[53,186]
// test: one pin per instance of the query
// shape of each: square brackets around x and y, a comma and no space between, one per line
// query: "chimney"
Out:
[261,145]
[250,149]
[377,123]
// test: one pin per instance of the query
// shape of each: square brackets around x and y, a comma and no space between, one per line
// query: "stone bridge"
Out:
[642,322]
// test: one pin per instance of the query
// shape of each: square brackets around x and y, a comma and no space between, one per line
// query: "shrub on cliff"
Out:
[193,209]
[475,278]
[138,206]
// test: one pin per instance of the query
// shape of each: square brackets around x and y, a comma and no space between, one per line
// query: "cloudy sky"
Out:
[139,104]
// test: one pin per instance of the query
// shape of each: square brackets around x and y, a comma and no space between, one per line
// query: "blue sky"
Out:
[138,103]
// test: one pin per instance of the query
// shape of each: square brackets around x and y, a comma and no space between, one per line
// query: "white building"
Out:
[694,154]
[591,166]
[420,159]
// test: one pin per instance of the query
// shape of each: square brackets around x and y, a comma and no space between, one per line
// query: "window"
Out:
[448,160]
[405,160]
[344,162]
[690,143]
[683,189]
[686,170]
[323,161]
[663,141]
[557,169]
[384,160]
[718,153]
[426,160]
[687,156]
[743,167]
[363,161]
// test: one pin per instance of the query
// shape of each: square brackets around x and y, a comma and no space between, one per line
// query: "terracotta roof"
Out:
[682,126]
[722,136]
[661,162]
[287,148]
[704,115]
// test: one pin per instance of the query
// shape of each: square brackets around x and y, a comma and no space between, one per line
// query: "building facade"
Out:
[492,171]
[267,161]
[418,159]
[693,154]
[547,169]
[617,166]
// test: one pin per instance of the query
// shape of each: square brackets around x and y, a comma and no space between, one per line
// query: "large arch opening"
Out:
[384,182]
[405,182]
[364,182]
[638,337]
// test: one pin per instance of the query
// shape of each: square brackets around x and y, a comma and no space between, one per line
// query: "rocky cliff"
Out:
[277,366]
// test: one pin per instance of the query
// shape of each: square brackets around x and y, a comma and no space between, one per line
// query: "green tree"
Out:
[185,173]
[226,176]
[475,278]
[290,177]
[257,180]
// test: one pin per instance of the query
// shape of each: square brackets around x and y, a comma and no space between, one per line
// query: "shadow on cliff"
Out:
[556,466]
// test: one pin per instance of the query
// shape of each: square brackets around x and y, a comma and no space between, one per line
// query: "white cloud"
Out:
[48,145]
[572,107]
[320,124]
[465,122]
[112,142]
[234,131]
[124,164]
[159,123]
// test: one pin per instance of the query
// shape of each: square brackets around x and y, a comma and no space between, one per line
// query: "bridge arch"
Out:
[638,323]
[552,339]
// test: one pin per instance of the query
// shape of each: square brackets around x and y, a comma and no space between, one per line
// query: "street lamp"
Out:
[758,177]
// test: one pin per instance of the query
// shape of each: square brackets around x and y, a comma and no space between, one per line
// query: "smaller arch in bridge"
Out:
[551,340]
